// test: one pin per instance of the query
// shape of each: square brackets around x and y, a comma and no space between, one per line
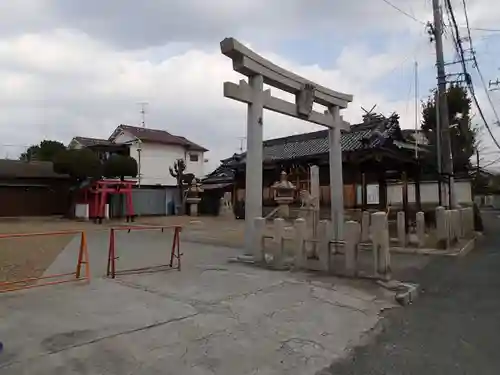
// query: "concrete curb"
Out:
[468,247]
[408,296]
[454,252]
[406,293]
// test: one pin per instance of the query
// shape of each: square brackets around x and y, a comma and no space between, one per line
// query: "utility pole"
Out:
[416,109]
[443,130]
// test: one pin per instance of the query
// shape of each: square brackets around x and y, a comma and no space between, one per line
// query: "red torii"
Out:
[102,188]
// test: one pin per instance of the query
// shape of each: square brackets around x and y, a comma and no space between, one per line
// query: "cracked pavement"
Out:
[213,317]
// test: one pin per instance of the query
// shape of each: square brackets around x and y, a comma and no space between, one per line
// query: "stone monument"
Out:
[283,193]
[259,72]
[193,197]
[226,206]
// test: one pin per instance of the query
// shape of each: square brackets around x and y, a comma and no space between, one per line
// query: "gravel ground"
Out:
[26,257]
[22,258]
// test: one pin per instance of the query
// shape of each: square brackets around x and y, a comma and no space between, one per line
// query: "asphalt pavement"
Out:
[454,326]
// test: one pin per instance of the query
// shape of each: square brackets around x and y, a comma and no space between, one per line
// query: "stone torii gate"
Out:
[259,72]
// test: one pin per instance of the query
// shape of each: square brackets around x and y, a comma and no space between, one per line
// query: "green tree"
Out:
[79,164]
[120,166]
[177,171]
[462,132]
[44,151]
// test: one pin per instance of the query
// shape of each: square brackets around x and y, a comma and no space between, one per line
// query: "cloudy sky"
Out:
[72,67]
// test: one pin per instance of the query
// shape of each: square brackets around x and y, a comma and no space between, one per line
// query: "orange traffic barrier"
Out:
[174,252]
[32,282]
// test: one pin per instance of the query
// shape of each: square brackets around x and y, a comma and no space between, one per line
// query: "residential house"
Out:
[155,151]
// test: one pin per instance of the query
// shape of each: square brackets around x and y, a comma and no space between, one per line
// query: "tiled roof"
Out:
[222,174]
[87,142]
[364,136]
[361,136]
[157,136]
[22,169]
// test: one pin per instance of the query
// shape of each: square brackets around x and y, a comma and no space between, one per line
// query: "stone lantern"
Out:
[283,195]
[193,197]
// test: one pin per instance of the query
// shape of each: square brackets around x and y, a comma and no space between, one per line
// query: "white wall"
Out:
[195,167]
[428,192]
[155,160]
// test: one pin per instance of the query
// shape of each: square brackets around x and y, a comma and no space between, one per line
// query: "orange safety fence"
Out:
[32,282]
[112,253]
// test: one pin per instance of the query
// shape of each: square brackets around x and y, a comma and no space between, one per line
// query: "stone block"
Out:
[442,231]
[300,237]
[258,240]
[278,251]
[455,225]
[381,249]
[421,238]
[323,246]
[352,237]
[365,227]
[401,225]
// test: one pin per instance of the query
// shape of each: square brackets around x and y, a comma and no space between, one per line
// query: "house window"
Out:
[193,157]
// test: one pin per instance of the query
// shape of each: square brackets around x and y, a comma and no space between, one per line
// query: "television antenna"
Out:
[143,113]
[242,139]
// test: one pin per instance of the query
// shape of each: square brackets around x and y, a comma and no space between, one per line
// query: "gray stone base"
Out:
[406,293]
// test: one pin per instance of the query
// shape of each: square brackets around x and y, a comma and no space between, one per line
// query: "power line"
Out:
[411,16]
[468,79]
[476,64]
[483,29]
[491,163]
[404,12]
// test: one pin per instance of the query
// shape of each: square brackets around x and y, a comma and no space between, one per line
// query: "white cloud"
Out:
[61,84]
[80,68]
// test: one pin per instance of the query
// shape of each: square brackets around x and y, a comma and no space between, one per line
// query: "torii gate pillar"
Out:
[260,71]
[253,179]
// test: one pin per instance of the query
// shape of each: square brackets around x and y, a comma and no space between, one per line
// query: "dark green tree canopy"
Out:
[84,163]
[120,166]
[79,164]
[44,151]
[462,132]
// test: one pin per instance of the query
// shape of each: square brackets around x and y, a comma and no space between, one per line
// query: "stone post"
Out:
[300,236]
[463,222]
[401,225]
[442,232]
[420,229]
[314,174]
[352,237]
[381,249]
[455,219]
[336,178]
[278,251]
[449,226]
[258,240]
[365,227]
[324,237]
[193,209]
[470,221]
[253,186]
